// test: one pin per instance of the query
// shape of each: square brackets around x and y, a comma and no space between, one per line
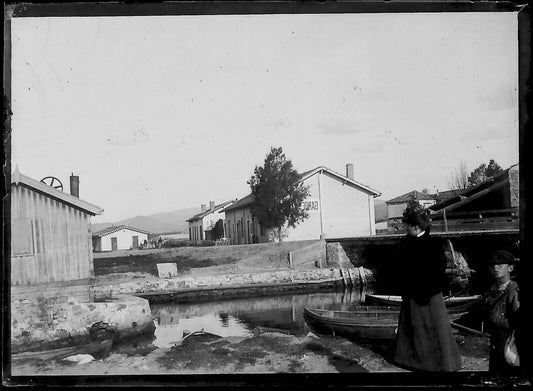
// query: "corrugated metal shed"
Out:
[51,234]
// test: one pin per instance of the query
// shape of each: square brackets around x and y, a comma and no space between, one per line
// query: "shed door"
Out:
[135,242]
[114,244]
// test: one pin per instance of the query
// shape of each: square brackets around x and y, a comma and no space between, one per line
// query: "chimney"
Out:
[203,208]
[349,171]
[211,205]
[75,185]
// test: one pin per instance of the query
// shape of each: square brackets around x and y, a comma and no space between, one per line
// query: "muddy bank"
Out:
[261,353]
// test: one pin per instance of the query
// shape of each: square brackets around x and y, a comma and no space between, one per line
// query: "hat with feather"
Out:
[416,214]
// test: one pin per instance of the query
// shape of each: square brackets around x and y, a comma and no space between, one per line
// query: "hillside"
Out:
[380,210]
[157,223]
[175,221]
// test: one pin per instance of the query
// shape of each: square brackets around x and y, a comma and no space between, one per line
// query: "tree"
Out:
[483,172]
[278,193]
[462,180]
[459,178]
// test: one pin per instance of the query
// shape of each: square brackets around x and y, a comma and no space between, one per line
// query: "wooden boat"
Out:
[199,336]
[362,325]
[98,348]
[393,300]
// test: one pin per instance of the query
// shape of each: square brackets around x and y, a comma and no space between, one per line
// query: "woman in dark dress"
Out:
[424,340]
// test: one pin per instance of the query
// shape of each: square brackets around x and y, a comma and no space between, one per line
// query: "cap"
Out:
[501,256]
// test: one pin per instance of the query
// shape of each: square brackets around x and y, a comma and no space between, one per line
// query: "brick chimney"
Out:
[349,171]
[75,185]
[211,205]
[203,208]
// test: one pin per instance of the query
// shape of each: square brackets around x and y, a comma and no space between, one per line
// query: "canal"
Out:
[240,316]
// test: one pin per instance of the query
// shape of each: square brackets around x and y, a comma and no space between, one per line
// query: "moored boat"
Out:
[96,348]
[376,325]
[394,300]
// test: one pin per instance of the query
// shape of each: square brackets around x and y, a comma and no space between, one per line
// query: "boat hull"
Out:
[363,326]
[396,301]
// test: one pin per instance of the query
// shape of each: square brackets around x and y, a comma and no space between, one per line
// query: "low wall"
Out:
[232,284]
[40,324]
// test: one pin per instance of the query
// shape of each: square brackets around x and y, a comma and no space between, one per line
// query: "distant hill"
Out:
[380,210]
[174,222]
[158,223]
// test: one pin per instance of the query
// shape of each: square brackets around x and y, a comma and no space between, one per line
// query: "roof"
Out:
[321,169]
[473,193]
[17,178]
[116,228]
[412,194]
[447,194]
[240,203]
[201,215]
[247,200]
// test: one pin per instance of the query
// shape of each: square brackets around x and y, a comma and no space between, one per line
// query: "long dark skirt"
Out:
[425,340]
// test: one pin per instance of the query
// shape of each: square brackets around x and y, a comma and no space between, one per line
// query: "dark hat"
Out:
[416,214]
[501,256]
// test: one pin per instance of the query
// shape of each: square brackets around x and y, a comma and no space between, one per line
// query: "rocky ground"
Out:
[263,352]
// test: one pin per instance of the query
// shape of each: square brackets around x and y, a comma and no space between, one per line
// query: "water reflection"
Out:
[238,317]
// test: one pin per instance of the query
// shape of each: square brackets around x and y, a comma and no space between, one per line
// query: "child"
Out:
[502,302]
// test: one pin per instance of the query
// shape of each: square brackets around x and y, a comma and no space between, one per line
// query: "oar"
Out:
[468,329]
[456,293]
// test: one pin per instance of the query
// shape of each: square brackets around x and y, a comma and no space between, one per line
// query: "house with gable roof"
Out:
[397,205]
[209,223]
[338,207]
[118,237]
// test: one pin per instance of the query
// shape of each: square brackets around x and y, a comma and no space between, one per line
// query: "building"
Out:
[396,207]
[51,250]
[209,224]
[493,204]
[338,207]
[119,237]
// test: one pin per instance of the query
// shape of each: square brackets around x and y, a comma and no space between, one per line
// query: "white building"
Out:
[338,207]
[120,237]
[203,226]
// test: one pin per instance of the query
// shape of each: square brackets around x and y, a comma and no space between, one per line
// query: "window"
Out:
[22,237]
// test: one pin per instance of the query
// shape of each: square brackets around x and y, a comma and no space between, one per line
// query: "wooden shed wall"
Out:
[60,240]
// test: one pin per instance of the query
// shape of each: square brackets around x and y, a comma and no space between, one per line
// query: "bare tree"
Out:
[459,178]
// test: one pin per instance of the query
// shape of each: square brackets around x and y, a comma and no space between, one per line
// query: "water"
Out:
[239,317]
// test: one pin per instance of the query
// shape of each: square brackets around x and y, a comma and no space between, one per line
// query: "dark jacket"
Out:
[501,307]
[422,267]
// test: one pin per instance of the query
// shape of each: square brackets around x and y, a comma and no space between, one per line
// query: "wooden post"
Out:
[445,221]
[289,259]
[362,276]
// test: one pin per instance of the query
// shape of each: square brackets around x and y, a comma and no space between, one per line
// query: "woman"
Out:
[424,340]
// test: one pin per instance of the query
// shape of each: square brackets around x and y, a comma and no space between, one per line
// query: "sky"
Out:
[161,113]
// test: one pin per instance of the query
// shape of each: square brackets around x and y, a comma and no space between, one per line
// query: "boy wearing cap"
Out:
[502,303]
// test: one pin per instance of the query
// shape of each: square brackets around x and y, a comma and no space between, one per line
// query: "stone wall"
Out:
[40,323]
[336,256]
[310,256]
[225,281]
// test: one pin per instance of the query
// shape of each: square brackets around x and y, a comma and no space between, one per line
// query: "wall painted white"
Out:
[336,210]
[124,239]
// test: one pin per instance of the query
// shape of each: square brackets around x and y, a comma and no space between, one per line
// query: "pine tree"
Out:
[278,193]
